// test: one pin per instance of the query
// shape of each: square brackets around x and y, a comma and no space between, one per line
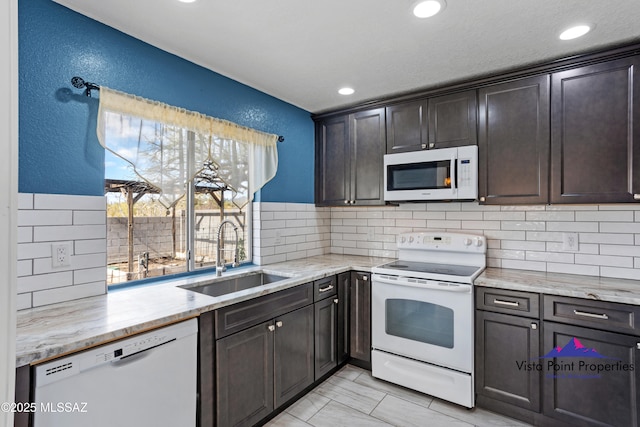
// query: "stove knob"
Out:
[402,239]
[411,239]
[467,242]
[477,241]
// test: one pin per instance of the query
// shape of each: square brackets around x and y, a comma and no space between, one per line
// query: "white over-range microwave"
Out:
[439,174]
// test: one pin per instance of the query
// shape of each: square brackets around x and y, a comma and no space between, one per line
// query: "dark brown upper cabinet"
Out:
[513,142]
[595,133]
[349,153]
[437,122]
[407,127]
[453,120]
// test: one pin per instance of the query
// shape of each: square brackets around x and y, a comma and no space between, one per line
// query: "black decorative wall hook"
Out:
[79,83]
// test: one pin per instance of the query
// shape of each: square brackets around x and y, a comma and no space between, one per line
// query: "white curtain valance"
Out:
[169,146]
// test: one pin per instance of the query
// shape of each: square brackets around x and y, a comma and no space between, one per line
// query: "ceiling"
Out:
[303,51]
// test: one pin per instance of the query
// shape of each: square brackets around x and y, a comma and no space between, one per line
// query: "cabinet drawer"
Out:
[603,315]
[324,288]
[511,302]
[243,315]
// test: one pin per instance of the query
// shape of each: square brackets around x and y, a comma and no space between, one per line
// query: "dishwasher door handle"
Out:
[133,358]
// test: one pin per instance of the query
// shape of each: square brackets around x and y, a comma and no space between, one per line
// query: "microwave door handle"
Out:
[454,162]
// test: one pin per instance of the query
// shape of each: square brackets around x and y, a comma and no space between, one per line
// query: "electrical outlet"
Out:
[278,239]
[61,255]
[570,242]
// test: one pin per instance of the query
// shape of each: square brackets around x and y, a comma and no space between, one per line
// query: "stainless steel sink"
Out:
[222,286]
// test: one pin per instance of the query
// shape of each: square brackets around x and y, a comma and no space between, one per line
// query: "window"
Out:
[171,178]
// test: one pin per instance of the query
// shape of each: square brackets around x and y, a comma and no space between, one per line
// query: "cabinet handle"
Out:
[337,300]
[279,323]
[534,326]
[327,289]
[365,278]
[638,346]
[508,303]
[483,199]
[636,197]
[433,144]
[423,146]
[594,315]
[271,328]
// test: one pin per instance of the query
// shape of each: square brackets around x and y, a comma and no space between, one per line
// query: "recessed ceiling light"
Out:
[346,91]
[575,32]
[186,1]
[426,9]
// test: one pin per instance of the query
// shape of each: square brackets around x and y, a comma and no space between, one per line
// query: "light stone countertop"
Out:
[54,330]
[594,288]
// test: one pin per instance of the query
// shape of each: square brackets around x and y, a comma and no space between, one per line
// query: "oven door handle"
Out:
[423,284]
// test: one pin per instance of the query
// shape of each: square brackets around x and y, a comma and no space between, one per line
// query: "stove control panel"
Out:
[442,241]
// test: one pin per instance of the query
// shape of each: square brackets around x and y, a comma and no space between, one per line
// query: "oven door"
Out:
[426,320]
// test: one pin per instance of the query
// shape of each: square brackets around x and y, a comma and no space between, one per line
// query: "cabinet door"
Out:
[342,332]
[513,142]
[407,127]
[453,120]
[367,151]
[326,322]
[333,155]
[244,366]
[506,346]
[360,319]
[595,135]
[577,393]
[293,353]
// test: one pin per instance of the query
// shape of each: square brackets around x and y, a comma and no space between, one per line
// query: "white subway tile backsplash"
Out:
[25,201]
[25,268]
[583,270]
[45,281]
[89,217]
[621,273]
[69,232]
[519,237]
[68,293]
[25,234]
[604,260]
[70,202]
[47,219]
[620,227]
[23,301]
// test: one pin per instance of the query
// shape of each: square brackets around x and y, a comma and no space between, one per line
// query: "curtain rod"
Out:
[79,82]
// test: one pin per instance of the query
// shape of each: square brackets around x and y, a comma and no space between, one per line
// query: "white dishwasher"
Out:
[149,379]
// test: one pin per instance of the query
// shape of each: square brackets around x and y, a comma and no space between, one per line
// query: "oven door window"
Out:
[419,321]
[419,176]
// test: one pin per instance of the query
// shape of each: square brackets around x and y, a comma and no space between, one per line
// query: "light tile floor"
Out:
[352,397]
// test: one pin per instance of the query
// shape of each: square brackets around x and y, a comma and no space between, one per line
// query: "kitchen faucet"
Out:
[220,265]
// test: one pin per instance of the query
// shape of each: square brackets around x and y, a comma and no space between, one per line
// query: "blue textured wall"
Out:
[59,150]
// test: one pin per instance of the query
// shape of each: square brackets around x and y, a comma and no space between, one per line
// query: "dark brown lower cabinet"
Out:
[342,333]
[565,362]
[593,391]
[508,348]
[326,323]
[262,367]
[360,319]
